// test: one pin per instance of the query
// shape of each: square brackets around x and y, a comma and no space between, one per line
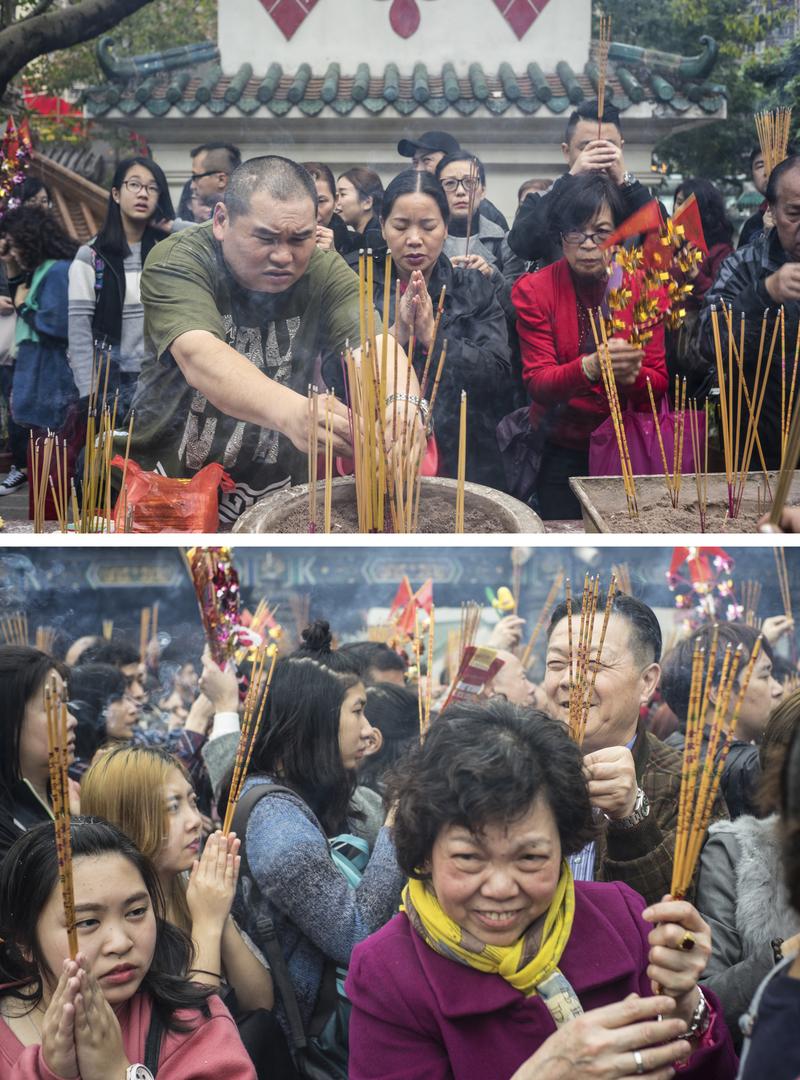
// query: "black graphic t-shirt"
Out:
[186,286]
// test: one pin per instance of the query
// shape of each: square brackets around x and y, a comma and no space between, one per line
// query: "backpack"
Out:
[748,1020]
[321,1052]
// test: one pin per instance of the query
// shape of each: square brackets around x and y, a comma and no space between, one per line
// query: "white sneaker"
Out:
[16,478]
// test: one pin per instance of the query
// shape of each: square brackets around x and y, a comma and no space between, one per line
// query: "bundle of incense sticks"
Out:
[257,693]
[544,615]
[470,620]
[700,779]
[603,44]
[473,181]
[584,664]
[622,573]
[610,387]
[787,470]
[387,477]
[424,686]
[58,761]
[148,629]
[751,598]
[45,638]
[108,629]
[313,455]
[42,453]
[674,476]
[773,127]
[738,453]
[783,581]
[216,585]
[700,459]
[462,463]
[14,628]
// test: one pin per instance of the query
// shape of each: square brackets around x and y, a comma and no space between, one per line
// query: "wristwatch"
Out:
[628,179]
[641,808]
[138,1072]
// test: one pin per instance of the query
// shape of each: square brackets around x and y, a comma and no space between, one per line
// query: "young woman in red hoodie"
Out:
[121,1010]
[560,366]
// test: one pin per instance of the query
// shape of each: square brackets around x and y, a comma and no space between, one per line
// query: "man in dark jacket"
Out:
[742,769]
[634,779]
[588,146]
[754,226]
[761,278]
[428,150]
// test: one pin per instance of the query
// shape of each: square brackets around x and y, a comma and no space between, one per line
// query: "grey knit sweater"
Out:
[317,914]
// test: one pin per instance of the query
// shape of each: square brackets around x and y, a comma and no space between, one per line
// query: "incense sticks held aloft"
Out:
[58,754]
[45,639]
[462,463]
[471,612]
[773,127]
[424,686]
[783,581]
[603,44]
[702,768]
[257,693]
[14,628]
[584,664]
[313,455]
[750,595]
[544,615]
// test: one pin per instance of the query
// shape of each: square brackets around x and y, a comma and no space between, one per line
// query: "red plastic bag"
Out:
[161,504]
[643,446]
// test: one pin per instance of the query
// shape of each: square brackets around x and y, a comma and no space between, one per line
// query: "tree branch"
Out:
[58,29]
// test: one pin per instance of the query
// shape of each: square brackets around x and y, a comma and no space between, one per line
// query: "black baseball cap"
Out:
[429,140]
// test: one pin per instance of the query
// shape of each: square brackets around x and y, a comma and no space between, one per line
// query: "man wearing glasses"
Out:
[212,165]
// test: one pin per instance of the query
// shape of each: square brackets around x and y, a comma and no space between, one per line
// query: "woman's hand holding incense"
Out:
[600,1044]
[221,687]
[626,361]
[58,1025]
[324,238]
[212,884]
[680,946]
[611,780]
[776,627]
[98,1038]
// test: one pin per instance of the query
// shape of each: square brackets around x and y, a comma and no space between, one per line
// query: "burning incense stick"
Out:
[108,629]
[144,634]
[58,763]
[603,44]
[329,457]
[701,776]
[587,661]
[787,470]
[610,387]
[751,598]
[473,184]
[783,581]
[462,463]
[257,693]
[544,615]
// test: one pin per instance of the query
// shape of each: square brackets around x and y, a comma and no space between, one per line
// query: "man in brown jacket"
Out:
[634,778]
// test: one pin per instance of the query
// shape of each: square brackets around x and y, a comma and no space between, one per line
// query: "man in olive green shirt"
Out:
[243,312]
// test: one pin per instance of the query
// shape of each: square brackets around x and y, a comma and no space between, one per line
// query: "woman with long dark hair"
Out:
[124,1006]
[36,253]
[311,742]
[105,307]
[359,192]
[24,769]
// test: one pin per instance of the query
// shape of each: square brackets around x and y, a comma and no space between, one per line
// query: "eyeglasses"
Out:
[576,237]
[469,183]
[210,172]
[135,186]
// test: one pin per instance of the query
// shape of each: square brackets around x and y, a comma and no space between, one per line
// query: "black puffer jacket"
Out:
[478,361]
[740,775]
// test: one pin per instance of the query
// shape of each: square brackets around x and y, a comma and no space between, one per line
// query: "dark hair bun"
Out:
[317,637]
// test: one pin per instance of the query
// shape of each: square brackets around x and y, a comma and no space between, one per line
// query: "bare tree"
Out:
[34,28]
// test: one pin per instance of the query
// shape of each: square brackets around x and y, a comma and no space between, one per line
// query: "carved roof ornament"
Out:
[128,67]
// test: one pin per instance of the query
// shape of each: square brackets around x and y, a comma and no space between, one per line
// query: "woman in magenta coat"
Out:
[560,366]
[500,966]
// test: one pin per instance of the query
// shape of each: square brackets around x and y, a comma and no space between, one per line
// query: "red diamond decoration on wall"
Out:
[288,14]
[520,14]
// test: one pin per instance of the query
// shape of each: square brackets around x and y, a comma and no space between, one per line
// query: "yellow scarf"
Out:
[521,964]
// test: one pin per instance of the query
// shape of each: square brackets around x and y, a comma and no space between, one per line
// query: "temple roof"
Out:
[160,83]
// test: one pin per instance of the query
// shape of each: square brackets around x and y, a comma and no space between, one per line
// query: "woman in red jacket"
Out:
[121,1010]
[560,366]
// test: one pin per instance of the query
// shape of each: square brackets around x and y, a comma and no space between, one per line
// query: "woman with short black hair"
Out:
[105,307]
[496,945]
[560,363]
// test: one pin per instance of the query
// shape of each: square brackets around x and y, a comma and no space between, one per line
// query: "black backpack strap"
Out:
[152,1046]
[264,925]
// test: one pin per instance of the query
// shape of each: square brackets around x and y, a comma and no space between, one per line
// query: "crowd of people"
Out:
[491,900]
[219,316]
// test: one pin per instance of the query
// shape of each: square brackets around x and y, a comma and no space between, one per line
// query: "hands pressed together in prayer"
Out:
[212,883]
[81,1035]
[600,155]
[415,314]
